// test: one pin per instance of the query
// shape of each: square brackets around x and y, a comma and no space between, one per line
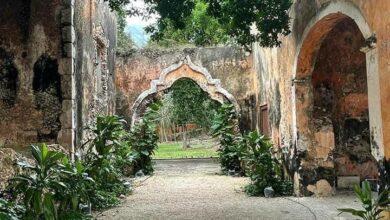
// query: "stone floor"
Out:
[193,189]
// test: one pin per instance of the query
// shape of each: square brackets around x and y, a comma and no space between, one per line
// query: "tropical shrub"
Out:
[39,183]
[107,151]
[75,195]
[263,170]
[10,211]
[231,150]
[143,139]
[372,207]
[53,187]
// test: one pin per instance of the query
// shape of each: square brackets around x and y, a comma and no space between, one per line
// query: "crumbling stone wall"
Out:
[340,105]
[303,63]
[232,66]
[56,69]
[95,33]
[30,40]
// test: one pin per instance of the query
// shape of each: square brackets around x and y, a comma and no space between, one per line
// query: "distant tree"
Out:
[270,17]
[186,103]
[236,17]
[200,29]
[124,41]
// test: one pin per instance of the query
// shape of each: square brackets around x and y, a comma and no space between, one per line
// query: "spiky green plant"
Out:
[372,207]
[38,184]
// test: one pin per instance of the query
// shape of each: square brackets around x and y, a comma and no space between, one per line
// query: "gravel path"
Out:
[193,189]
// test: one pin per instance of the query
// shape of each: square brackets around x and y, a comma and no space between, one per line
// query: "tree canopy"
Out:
[190,104]
[124,41]
[200,29]
[236,17]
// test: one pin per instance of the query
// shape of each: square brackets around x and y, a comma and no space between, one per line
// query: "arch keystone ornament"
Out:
[184,69]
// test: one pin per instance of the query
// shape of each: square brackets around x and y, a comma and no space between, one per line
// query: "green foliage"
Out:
[143,139]
[108,150]
[200,29]
[269,16]
[10,211]
[372,207]
[55,188]
[191,104]
[38,185]
[234,17]
[250,154]
[263,170]
[79,188]
[124,42]
[103,199]
[50,189]
[231,151]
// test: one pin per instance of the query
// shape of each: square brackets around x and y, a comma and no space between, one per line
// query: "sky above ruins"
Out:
[136,24]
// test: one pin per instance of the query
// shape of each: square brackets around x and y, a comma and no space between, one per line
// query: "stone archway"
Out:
[183,69]
[315,144]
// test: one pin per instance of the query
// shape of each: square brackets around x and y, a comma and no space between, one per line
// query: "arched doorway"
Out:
[337,117]
[184,69]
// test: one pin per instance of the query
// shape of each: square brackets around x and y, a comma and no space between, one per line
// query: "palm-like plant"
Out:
[372,207]
[79,185]
[100,158]
[39,183]
[104,158]
[9,210]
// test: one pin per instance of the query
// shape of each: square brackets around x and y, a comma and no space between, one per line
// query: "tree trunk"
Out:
[173,128]
[186,145]
[164,132]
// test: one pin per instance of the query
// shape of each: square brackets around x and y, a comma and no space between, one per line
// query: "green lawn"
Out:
[175,151]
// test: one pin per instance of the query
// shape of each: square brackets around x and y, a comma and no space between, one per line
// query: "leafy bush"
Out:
[76,194]
[103,199]
[231,151]
[263,170]
[143,139]
[372,208]
[10,211]
[39,183]
[55,188]
[250,155]
[106,154]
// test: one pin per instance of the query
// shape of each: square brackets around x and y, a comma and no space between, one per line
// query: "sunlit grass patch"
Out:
[174,150]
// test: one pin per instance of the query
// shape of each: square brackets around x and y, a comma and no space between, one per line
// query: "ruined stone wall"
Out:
[95,32]
[30,76]
[340,103]
[56,66]
[286,92]
[231,65]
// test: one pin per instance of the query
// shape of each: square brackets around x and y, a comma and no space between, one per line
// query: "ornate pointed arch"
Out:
[183,69]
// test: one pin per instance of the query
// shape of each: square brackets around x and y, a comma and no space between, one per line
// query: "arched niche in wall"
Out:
[48,97]
[8,80]
[183,69]
[337,52]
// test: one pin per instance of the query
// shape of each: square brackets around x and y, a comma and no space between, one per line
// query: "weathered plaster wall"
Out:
[30,45]
[56,69]
[277,68]
[232,66]
[95,32]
